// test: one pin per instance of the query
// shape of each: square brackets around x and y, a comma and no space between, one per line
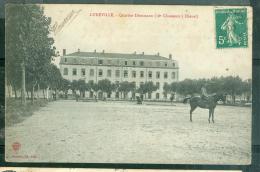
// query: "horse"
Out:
[208,103]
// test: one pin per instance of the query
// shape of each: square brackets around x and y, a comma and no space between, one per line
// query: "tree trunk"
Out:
[43,93]
[27,94]
[47,93]
[23,90]
[32,94]
[15,93]
[9,92]
[38,90]
[234,98]
[32,97]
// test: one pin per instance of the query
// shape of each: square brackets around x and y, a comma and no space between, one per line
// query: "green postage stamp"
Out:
[231,28]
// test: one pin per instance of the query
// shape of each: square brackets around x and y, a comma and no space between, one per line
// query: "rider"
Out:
[204,94]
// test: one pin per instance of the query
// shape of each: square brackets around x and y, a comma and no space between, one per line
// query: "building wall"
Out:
[122,68]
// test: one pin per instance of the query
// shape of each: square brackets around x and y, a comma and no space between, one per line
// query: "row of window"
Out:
[117,73]
[158,85]
[131,63]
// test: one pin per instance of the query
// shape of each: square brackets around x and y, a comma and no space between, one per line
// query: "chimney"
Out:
[103,51]
[158,54]
[64,52]
[78,50]
[142,53]
[95,51]
[135,52]
[170,56]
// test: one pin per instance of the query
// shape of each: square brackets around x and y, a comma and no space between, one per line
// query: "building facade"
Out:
[117,67]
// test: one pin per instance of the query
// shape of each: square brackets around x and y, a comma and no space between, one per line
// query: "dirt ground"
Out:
[124,132]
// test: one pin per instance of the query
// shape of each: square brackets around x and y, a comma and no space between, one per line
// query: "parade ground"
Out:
[124,132]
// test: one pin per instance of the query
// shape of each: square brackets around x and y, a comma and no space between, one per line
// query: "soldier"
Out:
[204,94]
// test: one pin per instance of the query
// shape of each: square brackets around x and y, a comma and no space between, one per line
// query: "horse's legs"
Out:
[192,108]
[213,115]
[210,111]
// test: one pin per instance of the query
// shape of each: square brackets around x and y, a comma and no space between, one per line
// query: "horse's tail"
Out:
[186,99]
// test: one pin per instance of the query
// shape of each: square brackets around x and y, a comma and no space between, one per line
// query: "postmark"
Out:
[231,28]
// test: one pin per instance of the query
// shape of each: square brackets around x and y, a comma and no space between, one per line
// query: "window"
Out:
[157,75]
[91,72]
[65,71]
[165,75]
[83,72]
[100,62]
[173,75]
[141,63]
[133,74]
[74,71]
[165,64]
[158,85]
[100,72]
[109,73]
[65,59]
[157,95]
[141,74]
[150,74]
[125,63]
[134,83]
[109,62]
[133,63]
[158,64]
[125,73]
[141,83]
[117,73]
[173,64]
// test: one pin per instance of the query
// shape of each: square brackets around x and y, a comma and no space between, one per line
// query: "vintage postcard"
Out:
[146,84]
[29,169]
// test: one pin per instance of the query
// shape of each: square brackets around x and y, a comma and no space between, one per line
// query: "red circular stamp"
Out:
[16,146]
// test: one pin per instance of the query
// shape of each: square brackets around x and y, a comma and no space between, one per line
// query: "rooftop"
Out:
[117,55]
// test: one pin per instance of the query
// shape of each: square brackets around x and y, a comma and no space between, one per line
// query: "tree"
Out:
[232,86]
[28,46]
[65,86]
[74,86]
[82,86]
[247,89]
[125,87]
[93,86]
[147,87]
[105,86]
[188,87]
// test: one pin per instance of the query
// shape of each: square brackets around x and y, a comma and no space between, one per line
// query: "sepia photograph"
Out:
[159,84]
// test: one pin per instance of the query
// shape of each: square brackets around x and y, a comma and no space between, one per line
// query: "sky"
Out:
[186,32]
